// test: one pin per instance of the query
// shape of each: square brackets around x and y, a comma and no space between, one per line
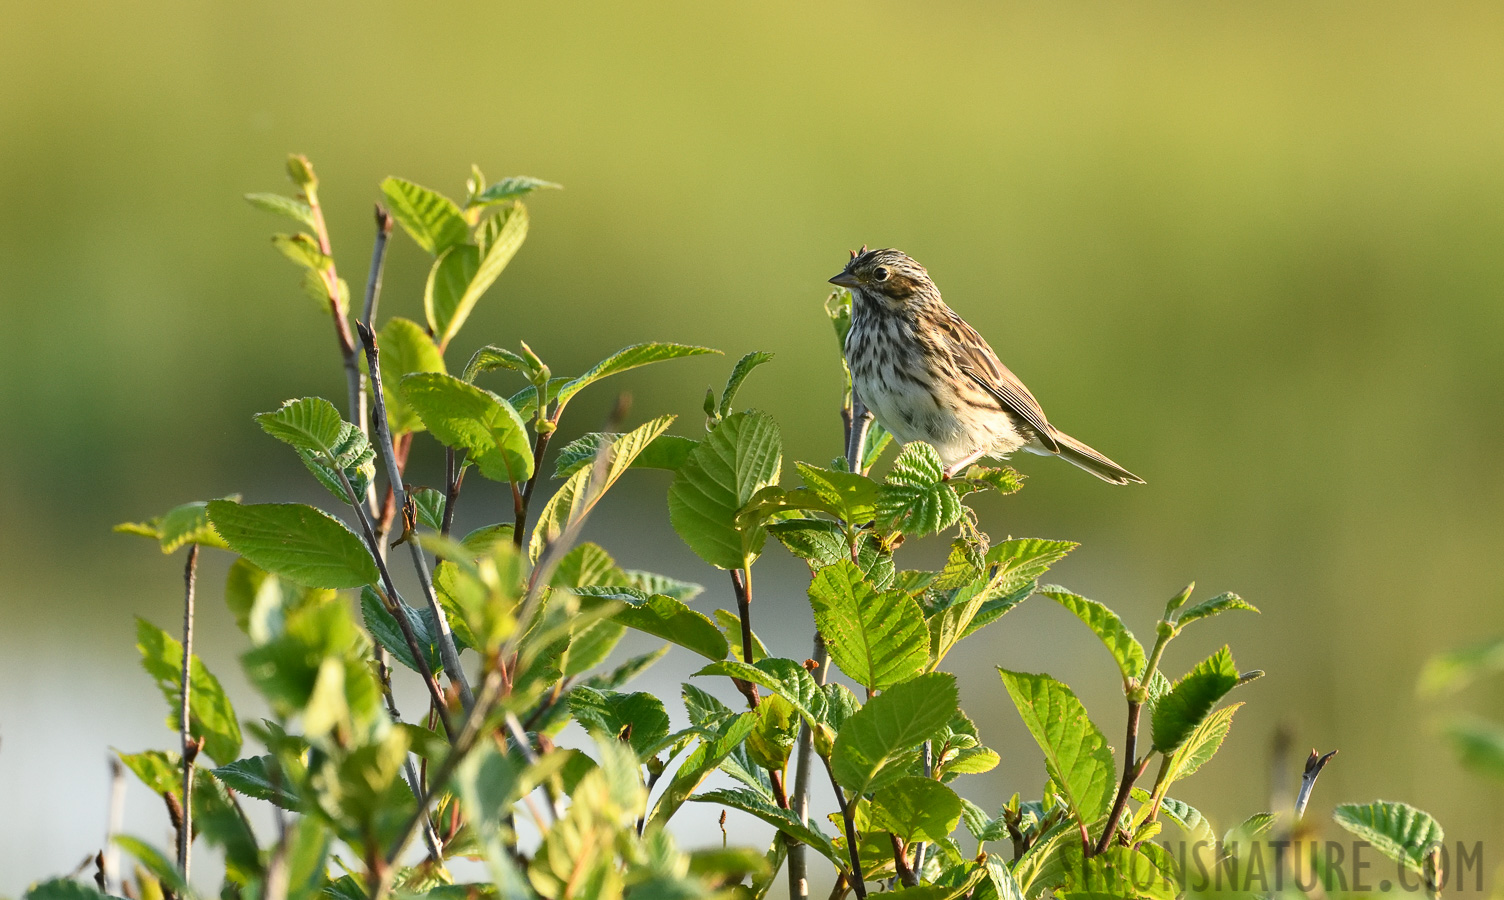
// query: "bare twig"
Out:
[111,862]
[448,651]
[454,476]
[378,260]
[1314,764]
[522,499]
[799,803]
[906,875]
[354,379]
[190,747]
[1132,769]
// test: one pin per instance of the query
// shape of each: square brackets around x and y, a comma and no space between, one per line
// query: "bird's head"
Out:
[886,278]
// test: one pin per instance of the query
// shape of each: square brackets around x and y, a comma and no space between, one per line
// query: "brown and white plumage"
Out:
[928,376]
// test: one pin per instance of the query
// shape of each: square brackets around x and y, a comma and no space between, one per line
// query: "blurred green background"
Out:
[1254,252]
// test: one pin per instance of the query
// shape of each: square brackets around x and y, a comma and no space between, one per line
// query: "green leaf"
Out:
[731,626]
[327,444]
[430,218]
[667,451]
[701,762]
[1185,815]
[429,505]
[878,638]
[466,417]
[1201,746]
[1119,872]
[915,499]
[782,819]
[157,863]
[1118,640]
[464,272]
[186,524]
[784,677]
[852,497]
[1398,830]
[577,496]
[1447,673]
[889,726]
[1479,744]
[1178,713]
[652,583]
[663,617]
[639,718]
[384,628]
[1218,604]
[741,455]
[1022,562]
[625,359]
[739,373]
[298,542]
[915,808]
[405,349]
[510,189]
[260,777]
[491,357]
[63,889]
[303,250]
[589,645]
[211,717]
[587,565]
[278,205]
[1075,752]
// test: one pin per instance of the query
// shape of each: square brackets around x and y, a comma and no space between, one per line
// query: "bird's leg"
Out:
[958,465]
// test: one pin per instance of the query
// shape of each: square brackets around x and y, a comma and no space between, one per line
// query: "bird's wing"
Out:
[974,358]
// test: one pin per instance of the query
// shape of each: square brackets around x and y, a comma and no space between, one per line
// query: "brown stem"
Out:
[521,500]
[906,874]
[848,818]
[1132,769]
[190,747]
[454,476]
[743,590]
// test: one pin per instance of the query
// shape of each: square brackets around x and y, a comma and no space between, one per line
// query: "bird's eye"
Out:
[881,273]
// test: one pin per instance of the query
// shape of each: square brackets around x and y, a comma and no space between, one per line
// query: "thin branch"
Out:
[799,803]
[392,600]
[848,817]
[190,747]
[523,499]
[448,652]
[354,379]
[116,818]
[454,476]
[1132,769]
[741,585]
[378,260]
[906,875]
[1314,764]
[384,671]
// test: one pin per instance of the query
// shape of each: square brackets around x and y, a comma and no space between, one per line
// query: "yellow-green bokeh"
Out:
[1254,252]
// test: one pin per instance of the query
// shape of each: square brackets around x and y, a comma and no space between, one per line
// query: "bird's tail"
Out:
[1085,457]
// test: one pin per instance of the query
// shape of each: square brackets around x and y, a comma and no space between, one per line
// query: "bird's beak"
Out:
[845,280]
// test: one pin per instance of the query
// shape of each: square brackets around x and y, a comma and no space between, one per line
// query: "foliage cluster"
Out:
[511,625]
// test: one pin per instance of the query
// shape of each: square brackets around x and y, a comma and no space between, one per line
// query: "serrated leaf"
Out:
[1185,815]
[878,638]
[430,219]
[260,777]
[782,819]
[890,725]
[491,357]
[576,497]
[327,444]
[303,250]
[653,583]
[638,718]
[179,526]
[667,451]
[739,373]
[429,505]
[731,626]
[742,455]
[278,205]
[1178,713]
[511,188]
[1398,830]
[405,349]
[1201,746]
[1120,872]
[1218,604]
[464,272]
[211,716]
[298,542]
[915,499]
[701,762]
[784,677]
[587,564]
[464,416]
[915,808]
[625,359]
[852,497]
[383,626]
[662,617]
[1076,754]
[1105,623]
